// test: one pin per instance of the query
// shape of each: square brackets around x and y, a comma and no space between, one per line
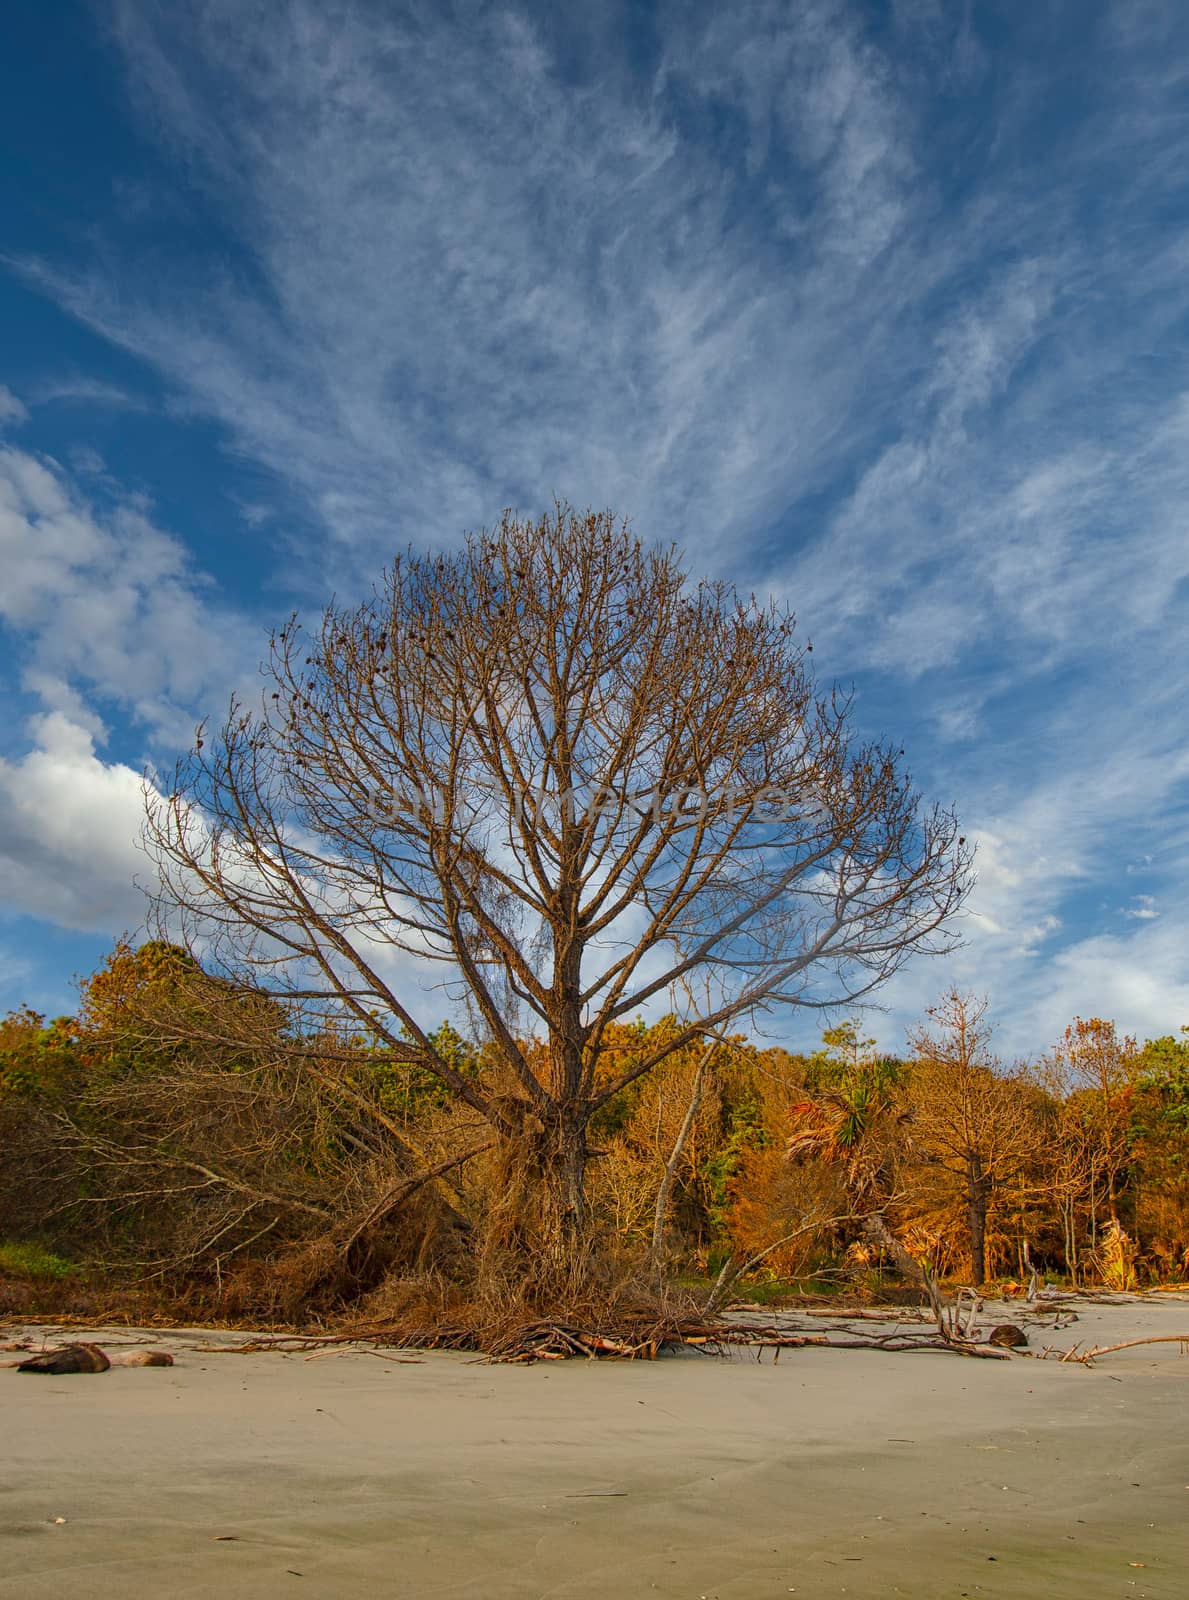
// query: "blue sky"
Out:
[879,307]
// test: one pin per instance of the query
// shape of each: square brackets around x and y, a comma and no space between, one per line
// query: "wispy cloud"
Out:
[103,601]
[11,409]
[455,299]
[113,622]
[876,314]
[79,389]
[1143,909]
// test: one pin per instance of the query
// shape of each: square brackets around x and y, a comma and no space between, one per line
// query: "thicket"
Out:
[270,1178]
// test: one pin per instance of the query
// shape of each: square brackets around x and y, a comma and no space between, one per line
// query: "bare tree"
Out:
[552,764]
[1093,1071]
[970,1119]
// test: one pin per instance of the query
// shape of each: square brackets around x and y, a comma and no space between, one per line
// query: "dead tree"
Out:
[971,1120]
[572,778]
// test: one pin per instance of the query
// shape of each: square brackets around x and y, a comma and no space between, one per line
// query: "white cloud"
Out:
[1139,980]
[11,409]
[1066,837]
[106,603]
[84,459]
[1143,909]
[69,830]
[111,619]
[15,970]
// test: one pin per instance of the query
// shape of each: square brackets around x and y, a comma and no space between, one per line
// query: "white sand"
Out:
[241,1477]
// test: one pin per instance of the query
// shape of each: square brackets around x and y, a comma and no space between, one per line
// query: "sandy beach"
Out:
[831,1473]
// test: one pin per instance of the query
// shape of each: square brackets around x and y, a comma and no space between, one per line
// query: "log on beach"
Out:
[67,1358]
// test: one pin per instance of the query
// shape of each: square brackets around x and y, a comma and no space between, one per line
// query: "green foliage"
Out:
[631,1042]
[128,972]
[867,1089]
[409,1091]
[34,1055]
[744,1128]
[151,1005]
[776,1132]
[31,1261]
[1164,1062]
[848,1059]
[1159,1129]
[843,1042]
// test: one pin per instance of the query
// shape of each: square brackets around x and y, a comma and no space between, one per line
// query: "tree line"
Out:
[181,1132]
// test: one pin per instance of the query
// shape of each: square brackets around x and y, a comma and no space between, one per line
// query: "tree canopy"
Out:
[584,785]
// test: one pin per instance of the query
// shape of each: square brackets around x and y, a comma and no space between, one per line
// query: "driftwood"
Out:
[1034,1283]
[287,1343]
[645,1340]
[552,1341]
[955,1323]
[1085,1358]
[82,1358]
[648,1334]
[1009,1336]
[67,1358]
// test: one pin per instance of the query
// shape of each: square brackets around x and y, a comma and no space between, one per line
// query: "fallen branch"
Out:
[1085,1358]
[868,1313]
[400,1192]
[733,1269]
[675,1155]
[643,1338]
[954,1330]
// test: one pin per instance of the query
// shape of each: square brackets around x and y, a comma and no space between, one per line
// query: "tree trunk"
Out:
[1069,1227]
[670,1172]
[567,1048]
[567,1177]
[574,1169]
[534,1222]
[977,1187]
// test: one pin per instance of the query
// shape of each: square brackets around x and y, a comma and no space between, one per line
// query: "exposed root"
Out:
[644,1339]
